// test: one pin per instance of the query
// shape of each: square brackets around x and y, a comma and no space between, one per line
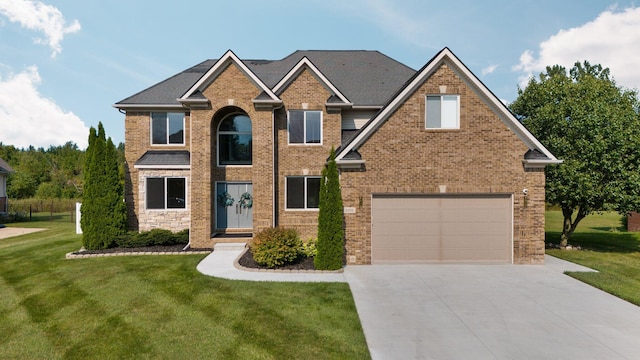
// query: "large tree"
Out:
[592,124]
[103,211]
[330,244]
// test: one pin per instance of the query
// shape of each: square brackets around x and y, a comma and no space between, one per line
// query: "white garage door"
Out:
[442,229]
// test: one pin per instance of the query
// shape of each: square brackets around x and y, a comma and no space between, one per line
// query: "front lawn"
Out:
[159,307]
[607,247]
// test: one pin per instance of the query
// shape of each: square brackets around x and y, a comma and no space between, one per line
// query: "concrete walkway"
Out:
[490,312]
[444,311]
[8,232]
[221,263]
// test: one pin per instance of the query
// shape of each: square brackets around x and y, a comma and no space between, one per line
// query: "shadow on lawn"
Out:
[618,242]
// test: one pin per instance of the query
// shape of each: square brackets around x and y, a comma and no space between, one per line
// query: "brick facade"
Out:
[483,156]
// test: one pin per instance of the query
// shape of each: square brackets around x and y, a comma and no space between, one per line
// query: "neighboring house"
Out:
[5,169]
[434,167]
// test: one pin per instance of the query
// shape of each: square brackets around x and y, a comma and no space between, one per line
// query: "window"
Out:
[302,192]
[167,128]
[166,193]
[234,140]
[305,127]
[443,112]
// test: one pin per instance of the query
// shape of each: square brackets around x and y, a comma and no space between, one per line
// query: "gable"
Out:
[448,59]
[305,88]
[219,67]
[306,65]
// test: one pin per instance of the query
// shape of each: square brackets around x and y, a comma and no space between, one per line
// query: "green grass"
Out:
[607,247]
[159,307]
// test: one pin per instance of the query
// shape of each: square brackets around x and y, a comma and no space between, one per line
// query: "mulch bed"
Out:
[172,248]
[304,263]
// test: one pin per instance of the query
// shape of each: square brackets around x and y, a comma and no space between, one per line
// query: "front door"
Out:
[234,205]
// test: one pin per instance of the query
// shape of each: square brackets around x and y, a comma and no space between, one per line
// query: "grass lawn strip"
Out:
[160,307]
[607,248]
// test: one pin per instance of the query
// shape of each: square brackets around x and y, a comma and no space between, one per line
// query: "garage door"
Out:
[442,229]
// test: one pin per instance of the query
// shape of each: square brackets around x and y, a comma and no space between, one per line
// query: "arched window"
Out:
[234,140]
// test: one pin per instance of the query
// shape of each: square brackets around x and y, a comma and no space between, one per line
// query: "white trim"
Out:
[149,107]
[305,177]
[163,167]
[167,131]
[165,178]
[297,69]
[350,164]
[218,141]
[420,78]
[304,128]
[442,96]
[220,65]
[539,163]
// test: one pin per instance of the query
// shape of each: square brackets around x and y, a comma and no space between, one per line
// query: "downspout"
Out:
[190,181]
[274,159]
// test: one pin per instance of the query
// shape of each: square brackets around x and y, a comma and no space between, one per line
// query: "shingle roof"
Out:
[366,78]
[164,158]
[4,167]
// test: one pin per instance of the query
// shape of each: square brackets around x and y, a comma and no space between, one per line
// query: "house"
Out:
[433,166]
[5,169]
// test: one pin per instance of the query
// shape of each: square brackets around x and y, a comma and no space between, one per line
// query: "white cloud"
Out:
[612,40]
[28,118]
[489,69]
[35,15]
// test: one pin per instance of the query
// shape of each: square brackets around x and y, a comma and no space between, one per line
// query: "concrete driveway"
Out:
[490,312]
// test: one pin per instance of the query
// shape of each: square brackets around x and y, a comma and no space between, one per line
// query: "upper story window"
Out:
[235,140]
[167,128]
[305,127]
[443,112]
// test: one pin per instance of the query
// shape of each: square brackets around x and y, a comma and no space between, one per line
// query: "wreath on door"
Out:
[246,201]
[225,199]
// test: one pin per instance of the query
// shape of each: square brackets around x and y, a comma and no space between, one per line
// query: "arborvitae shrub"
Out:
[274,247]
[330,246]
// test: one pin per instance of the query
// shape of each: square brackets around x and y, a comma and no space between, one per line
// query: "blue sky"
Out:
[64,63]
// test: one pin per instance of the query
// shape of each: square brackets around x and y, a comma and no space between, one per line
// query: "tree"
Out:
[330,244]
[103,211]
[585,119]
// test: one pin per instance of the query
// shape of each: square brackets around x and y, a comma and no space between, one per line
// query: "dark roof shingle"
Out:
[366,78]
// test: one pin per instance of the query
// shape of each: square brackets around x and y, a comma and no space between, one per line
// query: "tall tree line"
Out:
[52,173]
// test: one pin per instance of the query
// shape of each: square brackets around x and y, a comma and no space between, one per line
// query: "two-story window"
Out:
[167,128]
[443,112]
[235,141]
[305,127]
[302,192]
[166,193]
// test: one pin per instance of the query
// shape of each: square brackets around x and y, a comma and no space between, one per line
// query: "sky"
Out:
[64,63]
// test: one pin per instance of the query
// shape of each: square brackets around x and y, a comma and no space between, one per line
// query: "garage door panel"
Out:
[442,229]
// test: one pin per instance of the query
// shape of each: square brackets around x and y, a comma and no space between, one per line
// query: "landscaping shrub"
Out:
[330,233]
[276,247]
[155,237]
[309,248]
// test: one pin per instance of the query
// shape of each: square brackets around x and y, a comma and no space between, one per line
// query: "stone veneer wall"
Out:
[138,140]
[170,219]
